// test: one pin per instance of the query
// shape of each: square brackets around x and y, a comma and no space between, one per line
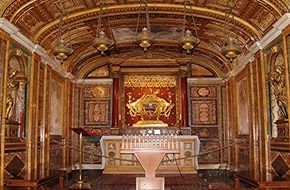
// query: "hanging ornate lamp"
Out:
[188,41]
[144,39]
[102,42]
[230,47]
[61,51]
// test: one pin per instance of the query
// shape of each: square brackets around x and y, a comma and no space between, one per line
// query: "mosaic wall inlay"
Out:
[15,166]
[280,164]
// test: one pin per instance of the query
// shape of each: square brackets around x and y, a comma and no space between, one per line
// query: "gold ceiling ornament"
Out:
[188,41]
[61,51]
[102,42]
[230,47]
[144,39]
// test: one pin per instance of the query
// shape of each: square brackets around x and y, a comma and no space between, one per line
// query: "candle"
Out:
[176,142]
[123,142]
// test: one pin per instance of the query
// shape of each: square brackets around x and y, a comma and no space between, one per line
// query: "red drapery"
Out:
[116,95]
[184,109]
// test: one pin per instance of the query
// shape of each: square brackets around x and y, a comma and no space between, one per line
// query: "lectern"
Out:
[81,132]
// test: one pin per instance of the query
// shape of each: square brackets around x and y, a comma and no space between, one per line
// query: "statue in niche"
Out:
[12,87]
[277,82]
[9,106]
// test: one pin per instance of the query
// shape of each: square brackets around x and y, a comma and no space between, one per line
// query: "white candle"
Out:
[176,142]
[172,141]
[123,142]
[126,142]
[168,142]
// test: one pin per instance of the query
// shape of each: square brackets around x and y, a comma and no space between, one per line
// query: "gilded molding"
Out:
[151,81]
[271,5]
[129,7]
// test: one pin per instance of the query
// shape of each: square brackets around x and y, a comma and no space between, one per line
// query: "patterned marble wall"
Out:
[204,118]
[203,110]
[92,111]
[280,164]
[15,164]
[97,106]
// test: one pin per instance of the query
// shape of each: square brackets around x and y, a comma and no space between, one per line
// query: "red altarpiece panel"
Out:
[160,87]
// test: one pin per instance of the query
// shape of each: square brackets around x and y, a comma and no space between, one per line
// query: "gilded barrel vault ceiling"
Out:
[38,20]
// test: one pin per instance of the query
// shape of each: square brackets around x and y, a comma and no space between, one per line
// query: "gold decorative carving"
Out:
[150,81]
[149,105]
[278,85]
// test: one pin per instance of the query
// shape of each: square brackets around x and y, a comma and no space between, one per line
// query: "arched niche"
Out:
[15,96]
[277,92]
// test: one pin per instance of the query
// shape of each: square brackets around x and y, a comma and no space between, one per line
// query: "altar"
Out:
[111,146]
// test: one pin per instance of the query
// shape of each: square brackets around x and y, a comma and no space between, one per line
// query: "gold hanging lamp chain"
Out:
[194,23]
[109,25]
[184,17]
[60,26]
[229,18]
[147,17]
[235,28]
[138,18]
[99,27]
[69,43]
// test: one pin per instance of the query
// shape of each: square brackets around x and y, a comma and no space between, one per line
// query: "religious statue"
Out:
[9,106]
[11,93]
[277,81]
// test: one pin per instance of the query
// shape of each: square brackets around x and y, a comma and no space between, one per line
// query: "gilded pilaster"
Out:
[43,130]
[3,119]
[234,124]
[265,162]
[286,52]
[254,131]
[48,91]
[227,124]
[66,125]
[36,121]
[31,106]
[220,121]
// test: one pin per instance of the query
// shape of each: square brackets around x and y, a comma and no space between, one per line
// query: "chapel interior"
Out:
[144,94]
